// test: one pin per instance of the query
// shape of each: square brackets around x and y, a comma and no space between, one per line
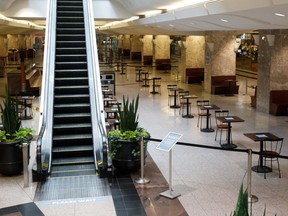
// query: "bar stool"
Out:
[201,113]
[220,125]
[183,101]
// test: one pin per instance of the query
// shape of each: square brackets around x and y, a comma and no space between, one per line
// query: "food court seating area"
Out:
[220,85]
[279,102]
[207,180]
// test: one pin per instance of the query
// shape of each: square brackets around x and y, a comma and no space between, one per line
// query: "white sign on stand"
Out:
[166,145]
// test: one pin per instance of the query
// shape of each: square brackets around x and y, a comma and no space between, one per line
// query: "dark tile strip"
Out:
[125,196]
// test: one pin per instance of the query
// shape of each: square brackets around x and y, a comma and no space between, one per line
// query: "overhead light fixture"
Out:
[224,20]
[186,3]
[279,14]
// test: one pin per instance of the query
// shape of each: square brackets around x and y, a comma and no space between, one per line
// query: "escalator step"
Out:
[72,160]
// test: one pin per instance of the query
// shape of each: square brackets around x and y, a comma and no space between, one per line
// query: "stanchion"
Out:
[25,165]
[141,179]
[251,198]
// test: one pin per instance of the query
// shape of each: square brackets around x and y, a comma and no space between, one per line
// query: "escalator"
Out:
[72,152]
[72,138]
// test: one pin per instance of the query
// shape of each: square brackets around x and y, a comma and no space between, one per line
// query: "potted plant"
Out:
[12,136]
[125,143]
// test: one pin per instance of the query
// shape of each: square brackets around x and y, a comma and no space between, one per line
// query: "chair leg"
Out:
[279,168]
[220,136]
[265,166]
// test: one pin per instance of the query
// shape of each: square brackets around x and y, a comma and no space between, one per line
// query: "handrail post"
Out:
[142,179]
[25,165]
[251,198]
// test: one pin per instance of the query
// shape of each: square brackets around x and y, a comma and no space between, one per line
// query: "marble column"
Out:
[147,49]
[220,57]
[3,45]
[162,47]
[120,46]
[272,66]
[136,47]
[192,54]
[12,43]
[21,42]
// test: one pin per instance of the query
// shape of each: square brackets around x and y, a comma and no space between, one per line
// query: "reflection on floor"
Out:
[207,180]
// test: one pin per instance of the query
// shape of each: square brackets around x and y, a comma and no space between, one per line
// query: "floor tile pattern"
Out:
[72,187]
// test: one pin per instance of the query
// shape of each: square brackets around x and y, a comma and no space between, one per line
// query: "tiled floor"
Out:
[208,180]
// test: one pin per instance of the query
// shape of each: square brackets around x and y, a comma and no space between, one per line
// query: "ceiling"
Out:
[218,15]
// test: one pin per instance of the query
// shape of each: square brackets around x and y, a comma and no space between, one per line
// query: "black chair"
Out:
[220,126]
[170,92]
[158,81]
[271,152]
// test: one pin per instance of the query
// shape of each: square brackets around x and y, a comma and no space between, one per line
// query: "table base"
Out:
[154,92]
[187,116]
[175,106]
[261,169]
[26,117]
[228,146]
[208,130]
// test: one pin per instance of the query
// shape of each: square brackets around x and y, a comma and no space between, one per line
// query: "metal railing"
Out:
[249,152]
[96,100]
[44,141]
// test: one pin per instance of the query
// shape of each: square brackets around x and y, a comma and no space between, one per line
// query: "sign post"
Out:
[166,145]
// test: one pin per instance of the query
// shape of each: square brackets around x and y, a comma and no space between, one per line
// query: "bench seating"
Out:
[163,64]
[194,75]
[220,85]
[279,102]
[33,80]
[136,55]
[147,60]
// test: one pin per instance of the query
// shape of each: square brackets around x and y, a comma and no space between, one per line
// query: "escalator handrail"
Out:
[44,141]
[95,82]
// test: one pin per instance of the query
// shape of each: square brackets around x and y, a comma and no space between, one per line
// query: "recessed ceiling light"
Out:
[224,20]
[279,14]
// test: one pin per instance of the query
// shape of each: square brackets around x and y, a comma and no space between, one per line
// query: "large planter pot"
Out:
[124,159]
[11,158]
